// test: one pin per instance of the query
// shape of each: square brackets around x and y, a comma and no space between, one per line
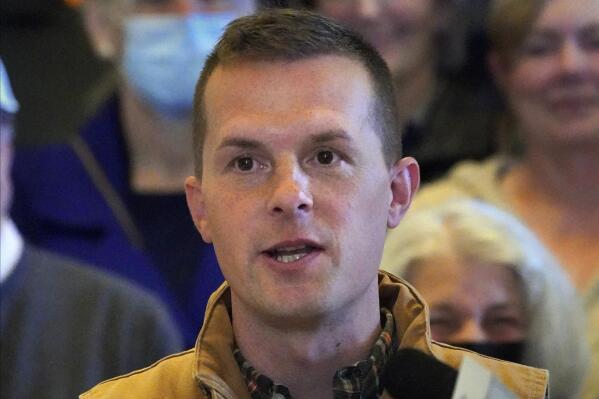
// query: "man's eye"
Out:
[245,164]
[325,157]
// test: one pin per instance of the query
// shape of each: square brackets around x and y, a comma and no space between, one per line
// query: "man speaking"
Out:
[298,176]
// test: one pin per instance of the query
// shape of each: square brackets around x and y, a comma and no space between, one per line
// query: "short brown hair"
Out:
[288,35]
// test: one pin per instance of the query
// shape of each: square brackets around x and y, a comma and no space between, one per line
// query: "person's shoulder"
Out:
[114,325]
[80,280]
[523,381]
[76,275]
[467,179]
[171,377]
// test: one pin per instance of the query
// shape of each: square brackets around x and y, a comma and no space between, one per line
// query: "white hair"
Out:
[477,231]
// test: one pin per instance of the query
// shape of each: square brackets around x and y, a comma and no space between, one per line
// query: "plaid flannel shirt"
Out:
[359,381]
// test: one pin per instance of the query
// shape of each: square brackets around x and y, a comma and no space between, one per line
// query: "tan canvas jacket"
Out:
[210,371]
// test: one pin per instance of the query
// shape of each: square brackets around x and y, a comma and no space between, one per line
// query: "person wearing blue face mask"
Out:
[162,54]
[112,196]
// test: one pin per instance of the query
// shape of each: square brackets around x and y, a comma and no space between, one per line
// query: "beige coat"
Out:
[210,371]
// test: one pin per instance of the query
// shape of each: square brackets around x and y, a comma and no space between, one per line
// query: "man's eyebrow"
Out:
[241,142]
[331,135]
[252,144]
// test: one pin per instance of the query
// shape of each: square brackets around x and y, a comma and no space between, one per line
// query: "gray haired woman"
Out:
[492,287]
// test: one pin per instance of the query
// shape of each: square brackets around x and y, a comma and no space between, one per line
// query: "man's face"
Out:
[295,194]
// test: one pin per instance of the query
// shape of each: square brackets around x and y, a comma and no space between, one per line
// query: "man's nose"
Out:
[290,192]
[471,331]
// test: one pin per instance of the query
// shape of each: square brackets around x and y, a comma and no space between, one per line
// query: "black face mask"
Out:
[510,351]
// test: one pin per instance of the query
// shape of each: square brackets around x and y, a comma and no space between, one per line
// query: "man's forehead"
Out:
[273,100]
[333,66]
[283,83]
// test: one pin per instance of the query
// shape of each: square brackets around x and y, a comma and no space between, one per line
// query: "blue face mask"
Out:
[164,55]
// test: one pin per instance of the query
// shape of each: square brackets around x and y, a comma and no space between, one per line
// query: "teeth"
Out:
[290,254]
[289,258]
[289,249]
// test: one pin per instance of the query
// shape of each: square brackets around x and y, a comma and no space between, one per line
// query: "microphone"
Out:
[413,374]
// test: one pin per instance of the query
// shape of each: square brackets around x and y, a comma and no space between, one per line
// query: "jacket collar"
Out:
[215,367]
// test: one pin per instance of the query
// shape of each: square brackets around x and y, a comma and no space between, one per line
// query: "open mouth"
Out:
[290,254]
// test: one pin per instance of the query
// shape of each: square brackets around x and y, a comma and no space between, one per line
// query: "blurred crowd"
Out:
[498,102]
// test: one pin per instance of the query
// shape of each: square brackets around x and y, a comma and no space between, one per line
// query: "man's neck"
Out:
[313,350]
[160,149]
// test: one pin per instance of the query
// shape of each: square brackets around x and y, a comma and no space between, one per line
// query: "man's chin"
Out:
[290,310]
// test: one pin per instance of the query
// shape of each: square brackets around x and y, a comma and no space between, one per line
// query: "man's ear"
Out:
[197,207]
[104,34]
[405,180]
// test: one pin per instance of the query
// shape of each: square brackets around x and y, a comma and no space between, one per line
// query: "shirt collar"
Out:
[11,248]
[361,380]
